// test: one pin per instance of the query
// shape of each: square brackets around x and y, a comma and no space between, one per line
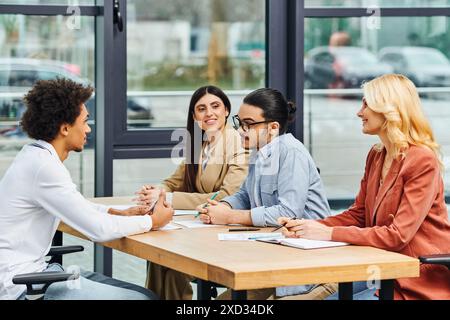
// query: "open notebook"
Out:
[305,243]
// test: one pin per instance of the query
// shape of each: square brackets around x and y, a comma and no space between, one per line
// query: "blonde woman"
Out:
[400,206]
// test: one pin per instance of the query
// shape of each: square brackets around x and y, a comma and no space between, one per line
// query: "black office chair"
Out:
[442,259]
[42,280]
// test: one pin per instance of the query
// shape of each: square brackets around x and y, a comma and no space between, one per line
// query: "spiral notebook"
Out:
[305,243]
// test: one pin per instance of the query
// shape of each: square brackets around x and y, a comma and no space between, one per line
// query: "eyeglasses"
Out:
[237,123]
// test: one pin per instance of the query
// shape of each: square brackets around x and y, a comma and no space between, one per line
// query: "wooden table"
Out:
[245,265]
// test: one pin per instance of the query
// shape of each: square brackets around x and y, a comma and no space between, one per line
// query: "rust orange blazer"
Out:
[406,214]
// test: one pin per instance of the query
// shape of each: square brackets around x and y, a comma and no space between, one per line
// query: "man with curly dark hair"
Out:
[37,192]
[51,104]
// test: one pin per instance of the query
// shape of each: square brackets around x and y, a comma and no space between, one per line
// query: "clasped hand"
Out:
[161,214]
[214,212]
[147,195]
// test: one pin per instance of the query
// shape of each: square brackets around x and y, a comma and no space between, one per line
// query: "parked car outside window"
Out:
[18,75]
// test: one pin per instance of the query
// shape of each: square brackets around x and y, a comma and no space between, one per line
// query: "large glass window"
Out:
[342,53]
[173,48]
[36,48]
[130,175]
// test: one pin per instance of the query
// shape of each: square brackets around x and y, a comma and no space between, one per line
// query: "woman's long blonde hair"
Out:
[396,97]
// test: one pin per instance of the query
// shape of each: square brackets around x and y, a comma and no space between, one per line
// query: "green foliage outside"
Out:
[173,76]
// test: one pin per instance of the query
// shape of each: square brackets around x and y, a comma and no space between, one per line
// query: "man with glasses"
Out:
[282,180]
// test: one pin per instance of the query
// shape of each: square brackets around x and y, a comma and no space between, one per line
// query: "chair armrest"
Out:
[60,250]
[443,259]
[44,277]
[43,280]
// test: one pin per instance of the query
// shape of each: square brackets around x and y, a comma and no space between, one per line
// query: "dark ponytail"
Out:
[291,111]
[274,106]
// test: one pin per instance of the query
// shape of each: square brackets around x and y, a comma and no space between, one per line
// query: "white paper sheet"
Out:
[170,226]
[248,236]
[194,224]
[185,212]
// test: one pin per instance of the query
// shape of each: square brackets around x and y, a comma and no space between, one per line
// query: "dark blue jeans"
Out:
[360,292]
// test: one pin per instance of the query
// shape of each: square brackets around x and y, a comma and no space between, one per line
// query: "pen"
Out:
[206,204]
[243,229]
[281,226]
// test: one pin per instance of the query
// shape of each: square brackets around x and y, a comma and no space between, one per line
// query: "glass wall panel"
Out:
[342,53]
[379,3]
[129,176]
[173,49]
[36,48]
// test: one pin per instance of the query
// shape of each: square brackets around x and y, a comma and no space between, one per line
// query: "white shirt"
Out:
[36,193]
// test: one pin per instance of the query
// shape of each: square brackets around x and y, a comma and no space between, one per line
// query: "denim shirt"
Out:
[282,181]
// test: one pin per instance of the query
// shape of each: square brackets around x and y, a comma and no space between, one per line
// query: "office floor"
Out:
[125,266]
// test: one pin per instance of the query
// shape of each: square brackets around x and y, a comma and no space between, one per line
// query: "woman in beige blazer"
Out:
[225,170]
[219,163]
[215,162]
